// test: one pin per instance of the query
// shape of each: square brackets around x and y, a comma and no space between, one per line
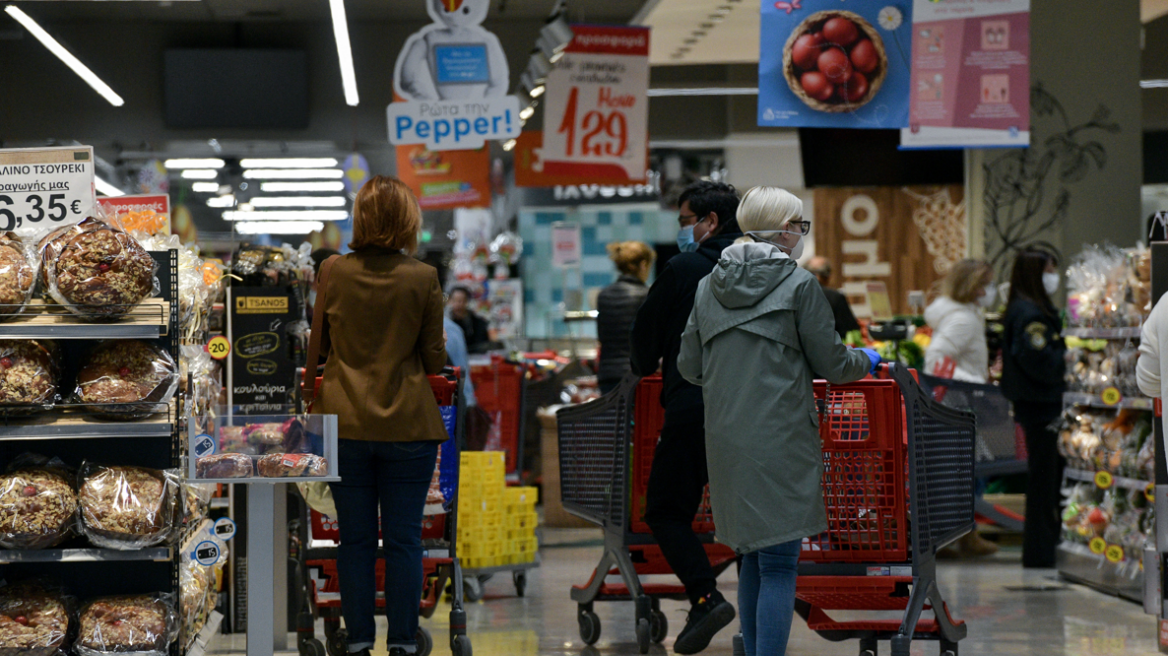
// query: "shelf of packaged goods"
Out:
[77,423]
[218,503]
[1077,563]
[87,555]
[196,535]
[1095,401]
[1103,333]
[267,481]
[1117,481]
[150,319]
[201,641]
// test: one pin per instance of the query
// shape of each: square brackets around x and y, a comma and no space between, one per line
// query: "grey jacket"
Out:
[761,331]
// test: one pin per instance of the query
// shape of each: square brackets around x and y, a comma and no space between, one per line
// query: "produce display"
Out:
[95,270]
[140,624]
[1106,440]
[35,620]
[126,507]
[1102,518]
[1094,365]
[29,376]
[834,61]
[134,375]
[1109,287]
[38,506]
[18,265]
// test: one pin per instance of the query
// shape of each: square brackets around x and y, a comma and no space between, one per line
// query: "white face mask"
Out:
[991,292]
[795,252]
[1050,282]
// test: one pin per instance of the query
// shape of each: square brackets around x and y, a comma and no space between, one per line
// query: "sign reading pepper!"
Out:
[451,78]
[596,114]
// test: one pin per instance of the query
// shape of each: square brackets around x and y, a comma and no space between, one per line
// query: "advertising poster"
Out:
[443,179]
[970,74]
[261,374]
[596,108]
[834,63]
[531,172]
[566,248]
[144,214]
[451,81]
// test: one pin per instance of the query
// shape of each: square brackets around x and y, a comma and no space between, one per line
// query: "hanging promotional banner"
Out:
[356,169]
[531,171]
[451,82]
[42,189]
[970,74]
[596,107]
[834,63]
[448,178]
[141,214]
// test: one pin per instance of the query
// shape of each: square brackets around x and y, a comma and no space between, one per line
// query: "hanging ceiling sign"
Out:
[451,80]
[42,189]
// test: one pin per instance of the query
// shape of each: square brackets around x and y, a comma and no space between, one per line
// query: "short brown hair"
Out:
[630,256]
[965,279]
[386,215]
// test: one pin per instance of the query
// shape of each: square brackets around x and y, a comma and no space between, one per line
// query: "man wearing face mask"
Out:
[707,225]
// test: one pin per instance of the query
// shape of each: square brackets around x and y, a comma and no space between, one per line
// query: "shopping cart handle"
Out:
[883,371]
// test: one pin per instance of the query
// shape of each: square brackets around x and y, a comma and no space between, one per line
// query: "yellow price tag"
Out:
[219,347]
[1150,492]
[1104,480]
[1111,396]
[1114,553]
[1098,545]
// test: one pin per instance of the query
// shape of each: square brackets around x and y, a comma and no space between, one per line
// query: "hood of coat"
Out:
[748,273]
[945,307]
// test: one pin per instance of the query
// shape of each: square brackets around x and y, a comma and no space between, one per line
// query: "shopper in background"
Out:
[707,225]
[458,356]
[474,327]
[1032,377]
[845,320]
[958,348]
[760,332]
[1148,368]
[616,307]
[383,335]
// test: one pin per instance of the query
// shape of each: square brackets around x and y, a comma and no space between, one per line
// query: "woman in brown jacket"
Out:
[383,312]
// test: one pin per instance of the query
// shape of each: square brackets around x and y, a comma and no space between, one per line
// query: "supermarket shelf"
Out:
[1093,401]
[1118,481]
[193,537]
[203,639]
[148,320]
[76,424]
[220,502]
[1103,333]
[1076,563]
[83,555]
[258,480]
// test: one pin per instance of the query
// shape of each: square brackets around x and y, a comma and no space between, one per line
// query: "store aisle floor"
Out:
[1010,613]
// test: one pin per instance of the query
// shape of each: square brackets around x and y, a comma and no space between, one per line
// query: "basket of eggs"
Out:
[835,61]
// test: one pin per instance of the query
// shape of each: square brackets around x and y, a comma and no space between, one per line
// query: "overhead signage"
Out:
[832,64]
[970,74]
[596,107]
[447,178]
[143,214]
[451,82]
[532,171]
[42,189]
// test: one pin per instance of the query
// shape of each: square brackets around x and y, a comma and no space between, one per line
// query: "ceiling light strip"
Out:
[278,227]
[298,201]
[65,56]
[293,174]
[288,162]
[344,51]
[704,91]
[290,187]
[106,189]
[286,215]
[195,163]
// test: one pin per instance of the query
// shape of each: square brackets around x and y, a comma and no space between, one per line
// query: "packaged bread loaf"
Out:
[233,439]
[278,465]
[35,620]
[141,624]
[38,507]
[265,435]
[224,465]
[127,379]
[29,376]
[95,270]
[17,275]
[126,507]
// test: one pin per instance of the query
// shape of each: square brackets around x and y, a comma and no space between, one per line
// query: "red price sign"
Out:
[596,133]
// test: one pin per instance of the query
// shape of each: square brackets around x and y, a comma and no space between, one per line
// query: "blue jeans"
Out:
[766,598]
[397,476]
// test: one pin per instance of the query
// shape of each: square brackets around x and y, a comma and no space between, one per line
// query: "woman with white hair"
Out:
[761,331]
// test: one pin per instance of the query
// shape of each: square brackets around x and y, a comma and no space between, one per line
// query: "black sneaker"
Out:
[399,651]
[706,618]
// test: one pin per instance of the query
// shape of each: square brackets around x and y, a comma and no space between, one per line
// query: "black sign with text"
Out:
[263,372]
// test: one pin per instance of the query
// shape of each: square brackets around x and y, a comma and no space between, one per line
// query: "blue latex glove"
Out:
[874,357]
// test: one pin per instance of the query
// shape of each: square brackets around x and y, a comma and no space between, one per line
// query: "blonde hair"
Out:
[386,215]
[965,279]
[630,256]
[765,209]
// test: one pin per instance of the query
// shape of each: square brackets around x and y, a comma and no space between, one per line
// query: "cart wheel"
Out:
[472,589]
[520,579]
[901,645]
[644,635]
[869,647]
[311,647]
[948,648]
[336,643]
[589,626]
[739,645]
[659,626]
[425,642]
[460,646]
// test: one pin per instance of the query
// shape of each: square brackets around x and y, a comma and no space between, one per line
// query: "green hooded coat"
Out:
[761,331]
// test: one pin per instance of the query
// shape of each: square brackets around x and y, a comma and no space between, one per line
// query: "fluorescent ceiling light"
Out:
[205,187]
[538,90]
[203,163]
[288,163]
[509,144]
[298,201]
[285,187]
[527,112]
[703,91]
[221,201]
[287,215]
[344,51]
[106,189]
[278,227]
[1153,84]
[65,56]
[293,174]
[200,174]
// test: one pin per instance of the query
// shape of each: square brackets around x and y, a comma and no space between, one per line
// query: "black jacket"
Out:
[662,318]
[845,320]
[1033,361]
[616,308]
[477,332]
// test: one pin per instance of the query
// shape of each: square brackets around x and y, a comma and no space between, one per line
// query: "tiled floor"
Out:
[1062,620]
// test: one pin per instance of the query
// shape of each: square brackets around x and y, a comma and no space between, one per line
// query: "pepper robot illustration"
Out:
[453,59]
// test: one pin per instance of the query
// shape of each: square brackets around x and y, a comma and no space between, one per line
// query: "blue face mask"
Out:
[685,239]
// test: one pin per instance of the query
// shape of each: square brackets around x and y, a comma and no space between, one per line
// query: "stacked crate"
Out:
[496,524]
[519,522]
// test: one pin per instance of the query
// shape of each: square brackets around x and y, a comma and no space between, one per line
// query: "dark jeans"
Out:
[396,476]
[675,490]
[1041,534]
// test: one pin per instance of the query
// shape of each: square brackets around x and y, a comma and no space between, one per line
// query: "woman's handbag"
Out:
[318,495]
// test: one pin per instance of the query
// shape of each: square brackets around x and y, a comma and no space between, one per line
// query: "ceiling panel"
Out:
[702,31]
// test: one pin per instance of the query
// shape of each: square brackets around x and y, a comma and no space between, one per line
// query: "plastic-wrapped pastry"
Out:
[96,270]
[144,625]
[126,507]
[17,275]
[38,507]
[134,376]
[35,620]
[224,465]
[279,465]
[29,375]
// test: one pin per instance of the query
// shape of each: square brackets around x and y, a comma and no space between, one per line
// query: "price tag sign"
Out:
[206,553]
[596,108]
[42,189]
[203,445]
[224,528]
[1098,546]
[219,347]
[1114,553]
[1111,396]
[1104,480]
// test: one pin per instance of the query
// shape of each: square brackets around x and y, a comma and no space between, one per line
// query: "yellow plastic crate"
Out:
[527,520]
[528,545]
[493,534]
[470,533]
[521,496]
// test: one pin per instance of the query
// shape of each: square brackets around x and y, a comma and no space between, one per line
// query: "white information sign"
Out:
[566,245]
[42,189]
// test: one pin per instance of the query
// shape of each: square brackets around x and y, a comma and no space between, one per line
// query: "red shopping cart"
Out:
[606,454]
[320,537]
[499,389]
